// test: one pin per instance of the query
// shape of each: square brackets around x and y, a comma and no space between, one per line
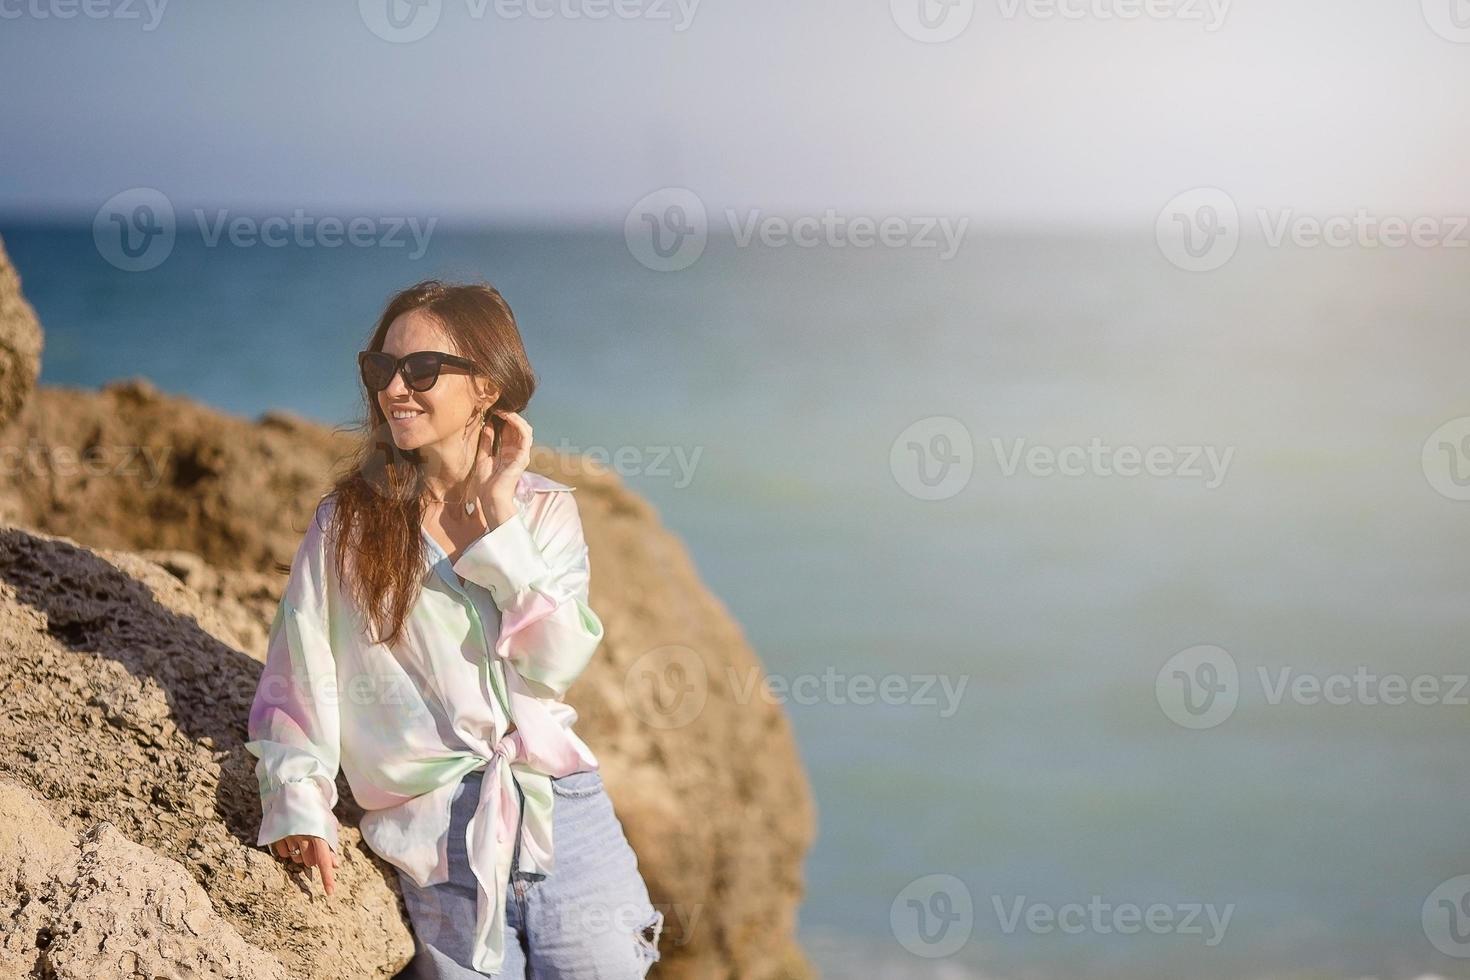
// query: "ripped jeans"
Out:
[591,918]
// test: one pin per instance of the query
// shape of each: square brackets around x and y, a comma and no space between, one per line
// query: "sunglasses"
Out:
[420,370]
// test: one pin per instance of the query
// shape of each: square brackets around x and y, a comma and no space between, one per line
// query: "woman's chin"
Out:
[410,440]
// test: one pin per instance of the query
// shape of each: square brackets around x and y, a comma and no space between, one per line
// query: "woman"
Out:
[435,615]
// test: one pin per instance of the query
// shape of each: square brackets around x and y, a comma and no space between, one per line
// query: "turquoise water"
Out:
[1056,775]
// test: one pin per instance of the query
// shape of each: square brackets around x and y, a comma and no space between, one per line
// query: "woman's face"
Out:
[441,413]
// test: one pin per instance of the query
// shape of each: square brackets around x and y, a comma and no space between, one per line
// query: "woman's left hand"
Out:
[498,474]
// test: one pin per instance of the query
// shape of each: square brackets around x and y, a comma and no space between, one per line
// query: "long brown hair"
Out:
[379,509]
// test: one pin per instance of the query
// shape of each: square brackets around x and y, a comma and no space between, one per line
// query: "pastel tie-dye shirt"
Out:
[406,723]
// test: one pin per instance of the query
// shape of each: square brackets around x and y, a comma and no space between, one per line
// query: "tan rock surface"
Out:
[20,342]
[122,699]
[94,904]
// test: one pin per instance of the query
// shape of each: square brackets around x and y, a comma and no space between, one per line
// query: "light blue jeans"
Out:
[592,918]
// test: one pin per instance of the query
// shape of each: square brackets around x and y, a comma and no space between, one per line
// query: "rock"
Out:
[124,706]
[20,343]
[81,906]
[133,468]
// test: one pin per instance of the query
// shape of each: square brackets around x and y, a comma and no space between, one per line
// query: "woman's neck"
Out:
[446,468]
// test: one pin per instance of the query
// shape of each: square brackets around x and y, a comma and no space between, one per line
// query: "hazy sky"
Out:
[1059,111]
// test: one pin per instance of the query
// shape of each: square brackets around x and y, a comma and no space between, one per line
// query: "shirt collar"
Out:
[527,487]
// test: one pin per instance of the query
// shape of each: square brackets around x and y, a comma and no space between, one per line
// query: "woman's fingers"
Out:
[325,861]
[311,852]
[522,431]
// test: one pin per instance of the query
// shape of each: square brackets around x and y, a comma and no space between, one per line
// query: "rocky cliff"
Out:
[138,576]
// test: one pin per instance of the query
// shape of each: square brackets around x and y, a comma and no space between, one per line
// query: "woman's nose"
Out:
[397,387]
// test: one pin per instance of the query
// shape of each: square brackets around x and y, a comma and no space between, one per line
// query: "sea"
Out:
[1119,605]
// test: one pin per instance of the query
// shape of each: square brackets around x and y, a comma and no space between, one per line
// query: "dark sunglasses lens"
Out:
[377,370]
[423,370]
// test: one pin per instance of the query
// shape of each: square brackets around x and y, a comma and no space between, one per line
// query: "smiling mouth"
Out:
[403,415]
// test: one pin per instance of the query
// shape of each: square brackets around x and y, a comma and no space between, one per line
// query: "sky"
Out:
[1052,112]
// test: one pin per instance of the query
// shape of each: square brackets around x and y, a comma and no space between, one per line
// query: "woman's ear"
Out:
[486,391]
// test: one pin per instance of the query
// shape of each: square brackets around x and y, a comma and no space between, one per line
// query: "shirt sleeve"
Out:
[535,567]
[294,724]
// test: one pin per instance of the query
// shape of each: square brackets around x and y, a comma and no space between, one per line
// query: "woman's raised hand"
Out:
[314,852]
[496,475]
